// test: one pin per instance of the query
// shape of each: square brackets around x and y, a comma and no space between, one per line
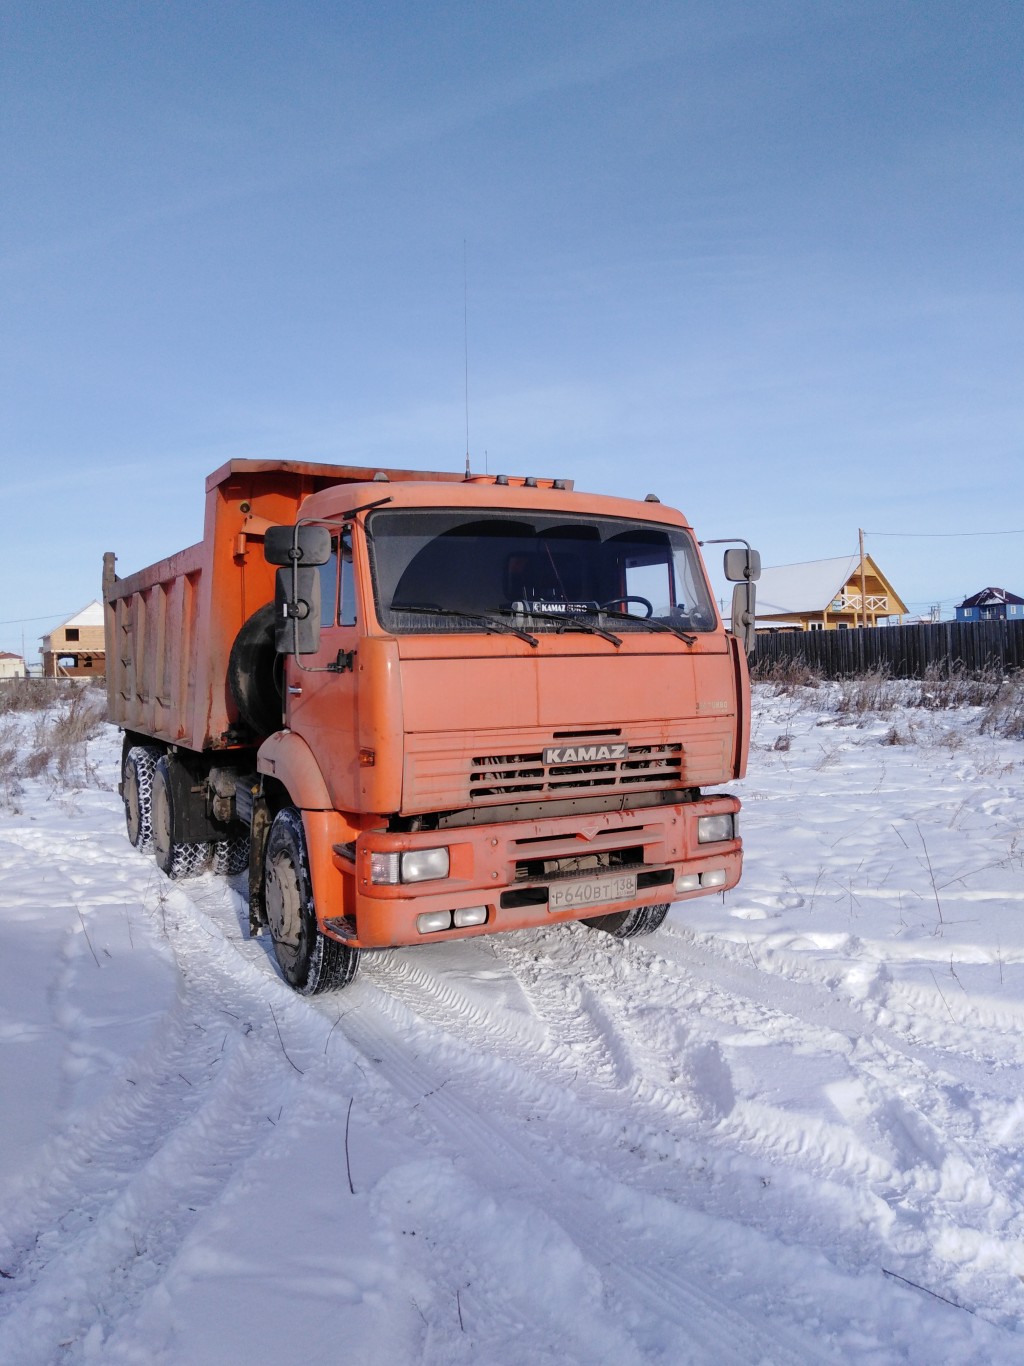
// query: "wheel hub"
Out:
[284,904]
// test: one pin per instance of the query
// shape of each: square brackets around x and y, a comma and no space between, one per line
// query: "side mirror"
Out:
[301,545]
[297,609]
[742,566]
[743,612]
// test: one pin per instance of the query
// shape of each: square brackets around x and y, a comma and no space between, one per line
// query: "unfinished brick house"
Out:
[75,648]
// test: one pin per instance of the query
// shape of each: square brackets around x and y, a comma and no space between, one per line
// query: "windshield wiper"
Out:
[652,624]
[569,622]
[493,624]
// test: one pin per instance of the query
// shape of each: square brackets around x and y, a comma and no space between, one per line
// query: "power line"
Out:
[942,535]
[47,616]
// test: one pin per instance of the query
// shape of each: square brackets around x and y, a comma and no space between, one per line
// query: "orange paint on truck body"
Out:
[556,758]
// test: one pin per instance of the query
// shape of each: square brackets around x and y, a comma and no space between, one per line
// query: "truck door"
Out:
[321,687]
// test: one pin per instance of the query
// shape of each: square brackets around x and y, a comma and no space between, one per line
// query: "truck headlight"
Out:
[421,865]
[414,865]
[713,829]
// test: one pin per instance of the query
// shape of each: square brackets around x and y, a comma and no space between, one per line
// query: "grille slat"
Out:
[527,775]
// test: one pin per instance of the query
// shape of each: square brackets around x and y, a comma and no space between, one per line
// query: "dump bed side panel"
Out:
[170,626]
[151,640]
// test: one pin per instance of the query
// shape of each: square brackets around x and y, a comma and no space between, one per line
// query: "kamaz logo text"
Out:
[584,754]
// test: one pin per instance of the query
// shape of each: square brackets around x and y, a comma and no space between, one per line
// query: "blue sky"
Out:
[762,259]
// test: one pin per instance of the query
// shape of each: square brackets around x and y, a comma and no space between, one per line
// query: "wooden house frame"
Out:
[75,648]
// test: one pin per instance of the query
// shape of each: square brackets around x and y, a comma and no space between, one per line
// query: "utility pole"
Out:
[863,581]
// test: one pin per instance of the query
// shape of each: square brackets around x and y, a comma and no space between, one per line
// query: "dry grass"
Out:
[29,694]
[995,699]
[786,676]
[871,694]
[45,729]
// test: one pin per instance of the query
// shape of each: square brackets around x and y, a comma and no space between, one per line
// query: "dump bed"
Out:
[170,627]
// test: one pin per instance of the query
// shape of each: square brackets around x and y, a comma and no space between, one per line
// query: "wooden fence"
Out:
[972,647]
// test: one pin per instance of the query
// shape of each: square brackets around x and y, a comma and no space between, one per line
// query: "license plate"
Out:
[591,892]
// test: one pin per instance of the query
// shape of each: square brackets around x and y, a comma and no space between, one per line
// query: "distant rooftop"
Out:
[989,597]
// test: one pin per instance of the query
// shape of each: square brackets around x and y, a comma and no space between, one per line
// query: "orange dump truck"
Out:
[423,706]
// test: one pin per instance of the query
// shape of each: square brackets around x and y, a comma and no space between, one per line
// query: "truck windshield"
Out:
[440,569]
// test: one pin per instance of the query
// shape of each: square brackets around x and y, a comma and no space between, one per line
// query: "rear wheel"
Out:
[309,961]
[177,857]
[231,857]
[630,924]
[137,790]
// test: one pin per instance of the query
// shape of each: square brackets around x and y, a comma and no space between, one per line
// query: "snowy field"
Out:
[787,1128]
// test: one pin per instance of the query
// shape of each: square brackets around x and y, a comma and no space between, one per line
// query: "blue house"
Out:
[991,604]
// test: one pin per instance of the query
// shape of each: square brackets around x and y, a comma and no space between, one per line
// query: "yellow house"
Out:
[825,595]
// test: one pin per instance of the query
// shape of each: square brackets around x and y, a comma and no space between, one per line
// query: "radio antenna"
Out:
[465,341]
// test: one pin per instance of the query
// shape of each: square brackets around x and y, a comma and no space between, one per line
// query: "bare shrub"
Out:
[1004,712]
[78,721]
[65,717]
[10,768]
[876,691]
[999,696]
[786,675]
[37,761]
[29,694]
[950,685]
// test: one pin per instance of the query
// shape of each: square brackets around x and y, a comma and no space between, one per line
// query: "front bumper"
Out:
[511,869]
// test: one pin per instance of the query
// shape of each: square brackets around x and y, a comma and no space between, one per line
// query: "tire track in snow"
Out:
[113,1196]
[635,1269]
[910,1167]
[583,1065]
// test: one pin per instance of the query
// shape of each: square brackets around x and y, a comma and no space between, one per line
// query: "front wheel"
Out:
[309,961]
[630,924]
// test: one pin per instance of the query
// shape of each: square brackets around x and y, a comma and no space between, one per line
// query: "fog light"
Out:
[384,869]
[432,921]
[470,915]
[715,877]
[711,829]
[689,882]
[421,865]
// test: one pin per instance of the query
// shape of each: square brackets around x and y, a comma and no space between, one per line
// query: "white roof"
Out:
[788,589]
[88,616]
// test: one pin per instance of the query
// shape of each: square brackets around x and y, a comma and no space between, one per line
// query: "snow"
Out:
[785,589]
[786,1128]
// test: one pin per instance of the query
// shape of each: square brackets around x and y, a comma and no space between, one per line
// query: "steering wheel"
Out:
[629,597]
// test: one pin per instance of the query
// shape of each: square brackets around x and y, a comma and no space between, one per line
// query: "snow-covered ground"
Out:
[786,1128]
